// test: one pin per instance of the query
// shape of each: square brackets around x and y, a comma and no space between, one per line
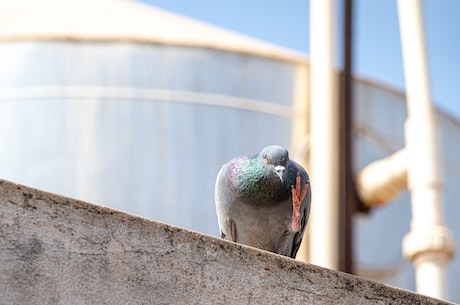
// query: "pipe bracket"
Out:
[434,239]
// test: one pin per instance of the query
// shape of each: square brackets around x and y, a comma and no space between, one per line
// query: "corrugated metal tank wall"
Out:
[129,125]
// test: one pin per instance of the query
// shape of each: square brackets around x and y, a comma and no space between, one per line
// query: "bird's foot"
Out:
[298,194]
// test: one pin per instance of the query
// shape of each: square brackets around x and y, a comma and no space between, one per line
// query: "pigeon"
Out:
[263,200]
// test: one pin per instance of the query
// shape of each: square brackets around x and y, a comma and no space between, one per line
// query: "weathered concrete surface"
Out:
[56,250]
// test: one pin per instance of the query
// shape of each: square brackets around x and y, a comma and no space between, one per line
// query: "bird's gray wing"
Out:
[230,228]
[223,202]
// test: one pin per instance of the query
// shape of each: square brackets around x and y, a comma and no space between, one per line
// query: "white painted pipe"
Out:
[429,245]
[382,180]
[323,226]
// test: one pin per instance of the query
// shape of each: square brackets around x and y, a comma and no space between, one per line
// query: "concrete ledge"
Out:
[56,250]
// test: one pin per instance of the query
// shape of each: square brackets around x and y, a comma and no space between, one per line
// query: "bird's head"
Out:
[276,156]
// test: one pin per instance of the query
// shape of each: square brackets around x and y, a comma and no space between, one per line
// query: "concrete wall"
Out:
[56,250]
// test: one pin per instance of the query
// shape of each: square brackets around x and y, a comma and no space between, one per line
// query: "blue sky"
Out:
[377,47]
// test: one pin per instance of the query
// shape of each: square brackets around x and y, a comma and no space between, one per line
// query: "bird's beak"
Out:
[280,171]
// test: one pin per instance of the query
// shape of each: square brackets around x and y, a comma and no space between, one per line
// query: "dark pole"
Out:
[347,187]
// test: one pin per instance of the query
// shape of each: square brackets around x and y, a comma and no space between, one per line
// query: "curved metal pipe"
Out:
[382,180]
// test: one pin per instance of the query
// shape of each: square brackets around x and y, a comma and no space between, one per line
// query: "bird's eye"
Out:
[267,159]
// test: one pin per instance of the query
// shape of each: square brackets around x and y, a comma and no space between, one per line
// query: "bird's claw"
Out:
[298,194]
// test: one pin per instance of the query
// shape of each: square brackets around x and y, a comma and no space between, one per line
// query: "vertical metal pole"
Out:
[347,185]
[323,228]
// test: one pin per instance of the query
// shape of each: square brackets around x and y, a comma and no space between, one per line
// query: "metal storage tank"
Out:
[130,106]
[126,105]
